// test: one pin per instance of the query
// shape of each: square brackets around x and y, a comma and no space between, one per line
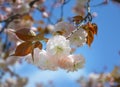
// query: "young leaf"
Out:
[77,19]
[90,38]
[23,49]
[38,45]
[92,27]
[25,34]
[95,28]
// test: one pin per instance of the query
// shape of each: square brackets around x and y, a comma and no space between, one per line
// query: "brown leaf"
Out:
[92,27]
[24,49]
[25,34]
[38,45]
[90,38]
[95,28]
[77,18]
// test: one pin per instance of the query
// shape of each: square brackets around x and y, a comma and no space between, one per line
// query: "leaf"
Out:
[95,28]
[24,49]
[25,34]
[77,18]
[38,45]
[90,38]
[92,27]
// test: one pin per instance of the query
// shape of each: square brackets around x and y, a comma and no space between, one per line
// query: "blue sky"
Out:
[103,52]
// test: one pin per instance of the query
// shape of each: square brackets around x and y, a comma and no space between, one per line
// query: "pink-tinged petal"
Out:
[65,27]
[42,60]
[58,46]
[78,38]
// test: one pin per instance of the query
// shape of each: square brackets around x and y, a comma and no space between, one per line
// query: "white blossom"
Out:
[58,46]
[65,27]
[78,38]
[42,59]
[79,61]
[71,62]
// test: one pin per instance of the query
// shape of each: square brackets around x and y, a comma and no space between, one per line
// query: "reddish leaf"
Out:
[24,49]
[92,27]
[38,45]
[95,27]
[90,38]
[77,18]
[25,34]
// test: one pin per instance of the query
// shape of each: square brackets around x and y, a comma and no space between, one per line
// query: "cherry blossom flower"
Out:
[78,38]
[58,46]
[65,27]
[71,62]
[42,59]
[79,61]
[20,23]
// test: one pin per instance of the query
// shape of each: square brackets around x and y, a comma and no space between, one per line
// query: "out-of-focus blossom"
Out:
[19,24]
[58,46]
[2,63]
[0,27]
[78,38]
[80,7]
[2,17]
[45,14]
[94,14]
[8,10]
[64,27]
[21,9]
[11,60]
[50,28]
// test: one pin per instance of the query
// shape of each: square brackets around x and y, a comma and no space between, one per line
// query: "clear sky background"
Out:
[104,51]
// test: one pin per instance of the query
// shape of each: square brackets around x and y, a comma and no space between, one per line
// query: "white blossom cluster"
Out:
[57,55]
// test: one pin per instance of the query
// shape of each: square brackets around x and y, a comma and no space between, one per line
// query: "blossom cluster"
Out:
[57,55]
